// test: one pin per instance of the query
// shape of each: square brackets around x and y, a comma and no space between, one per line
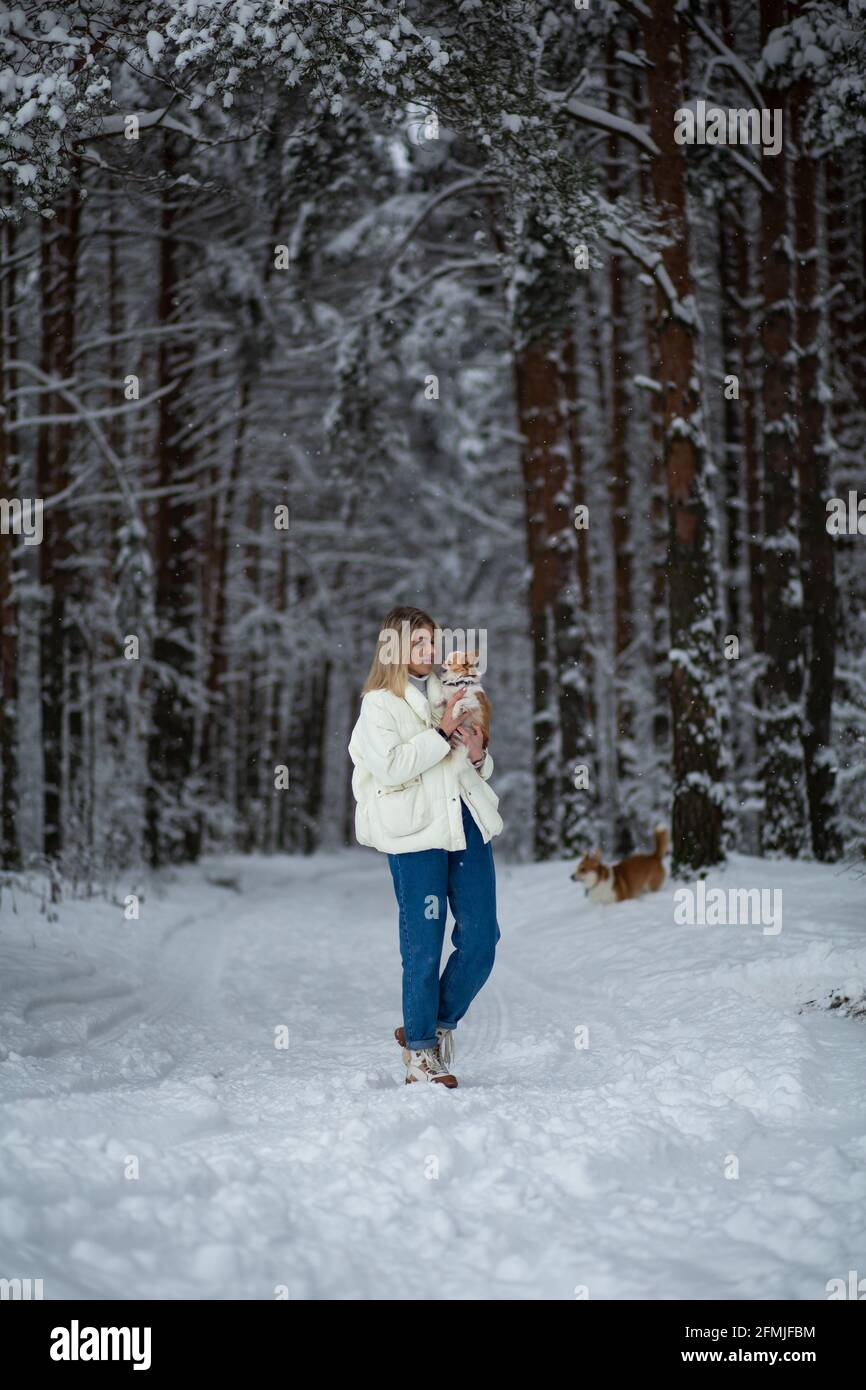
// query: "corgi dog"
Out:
[630,878]
[460,672]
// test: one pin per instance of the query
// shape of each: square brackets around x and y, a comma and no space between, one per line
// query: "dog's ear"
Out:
[596,854]
[472,658]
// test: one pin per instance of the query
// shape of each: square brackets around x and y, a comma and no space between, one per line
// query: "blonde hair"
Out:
[390,674]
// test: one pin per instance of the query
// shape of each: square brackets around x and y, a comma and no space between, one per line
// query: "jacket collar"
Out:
[419,703]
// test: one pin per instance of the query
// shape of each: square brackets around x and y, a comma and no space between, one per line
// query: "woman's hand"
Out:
[472,738]
[448,723]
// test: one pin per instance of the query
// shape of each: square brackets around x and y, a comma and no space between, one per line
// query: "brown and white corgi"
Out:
[630,878]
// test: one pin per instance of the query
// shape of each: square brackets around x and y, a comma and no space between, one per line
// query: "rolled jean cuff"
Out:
[418,1046]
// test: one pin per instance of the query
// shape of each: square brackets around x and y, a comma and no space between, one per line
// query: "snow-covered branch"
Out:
[649,258]
[452,191]
[585,114]
[118,124]
[729,58]
[85,417]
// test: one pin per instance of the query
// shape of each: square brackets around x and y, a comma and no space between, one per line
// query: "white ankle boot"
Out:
[444,1042]
[425,1064]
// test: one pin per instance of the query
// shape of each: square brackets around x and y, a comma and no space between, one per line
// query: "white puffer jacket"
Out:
[409,784]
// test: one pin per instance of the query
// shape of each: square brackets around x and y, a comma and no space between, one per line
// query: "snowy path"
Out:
[558,1167]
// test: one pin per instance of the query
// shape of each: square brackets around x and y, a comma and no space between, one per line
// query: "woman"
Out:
[424,800]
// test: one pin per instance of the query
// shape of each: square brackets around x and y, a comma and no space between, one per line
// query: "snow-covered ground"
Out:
[312,1168]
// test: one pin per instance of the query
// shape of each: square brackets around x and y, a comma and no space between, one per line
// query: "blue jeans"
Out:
[425,882]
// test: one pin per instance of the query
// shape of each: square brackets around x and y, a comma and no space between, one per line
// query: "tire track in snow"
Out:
[181,974]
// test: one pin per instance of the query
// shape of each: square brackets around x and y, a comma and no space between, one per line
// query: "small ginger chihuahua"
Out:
[630,878]
[460,672]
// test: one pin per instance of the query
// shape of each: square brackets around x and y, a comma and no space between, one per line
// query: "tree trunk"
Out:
[253,736]
[172,828]
[783,829]
[816,544]
[696,692]
[10,850]
[216,723]
[542,377]
[847,306]
[753,476]
[576,708]
[58,284]
[730,251]
[621,508]
[69,573]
